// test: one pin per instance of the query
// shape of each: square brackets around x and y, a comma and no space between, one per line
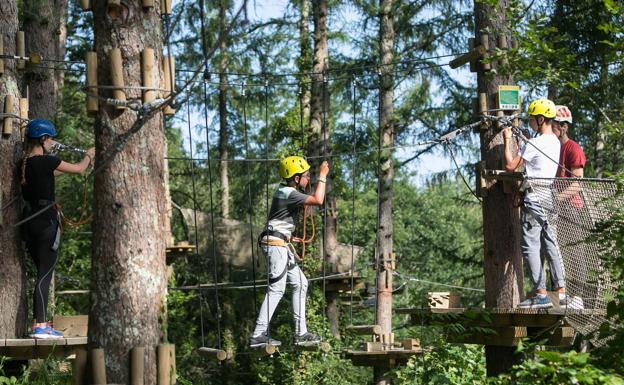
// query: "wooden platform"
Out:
[381,358]
[500,327]
[493,317]
[29,348]
[342,284]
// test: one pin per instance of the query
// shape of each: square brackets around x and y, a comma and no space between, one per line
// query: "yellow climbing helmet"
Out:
[292,165]
[543,107]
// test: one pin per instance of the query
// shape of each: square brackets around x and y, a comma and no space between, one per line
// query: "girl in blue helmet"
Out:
[42,232]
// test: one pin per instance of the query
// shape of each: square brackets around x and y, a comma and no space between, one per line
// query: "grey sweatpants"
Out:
[283,268]
[536,231]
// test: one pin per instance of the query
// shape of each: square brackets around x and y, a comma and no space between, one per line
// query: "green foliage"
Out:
[46,372]
[552,368]
[445,364]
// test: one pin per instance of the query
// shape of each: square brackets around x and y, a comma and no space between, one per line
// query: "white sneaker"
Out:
[572,302]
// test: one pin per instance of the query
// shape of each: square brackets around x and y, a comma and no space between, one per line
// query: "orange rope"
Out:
[304,240]
[82,219]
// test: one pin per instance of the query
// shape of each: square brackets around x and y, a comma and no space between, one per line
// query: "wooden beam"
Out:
[364,329]
[218,354]
[474,54]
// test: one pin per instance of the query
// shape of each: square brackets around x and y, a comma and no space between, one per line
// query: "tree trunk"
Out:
[501,221]
[13,316]
[304,62]
[601,135]
[45,27]
[320,125]
[223,127]
[128,268]
[321,57]
[386,177]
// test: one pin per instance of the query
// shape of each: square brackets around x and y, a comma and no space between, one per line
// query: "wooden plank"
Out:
[496,317]
[506,336]
[51,342]
[77,341]
[384,358]
[2,342]
[19,342]
[364,329]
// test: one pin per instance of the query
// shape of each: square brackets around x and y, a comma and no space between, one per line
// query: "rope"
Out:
[353,170]
[247,284]
[250,203]
[450,148]
[266,174]
[412,279]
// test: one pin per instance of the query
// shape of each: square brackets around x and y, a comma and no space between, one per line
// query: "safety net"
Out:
[576,209]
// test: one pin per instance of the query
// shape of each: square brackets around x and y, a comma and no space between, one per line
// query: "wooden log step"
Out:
[364,329]
[266,349]
[324,347]
[218,354]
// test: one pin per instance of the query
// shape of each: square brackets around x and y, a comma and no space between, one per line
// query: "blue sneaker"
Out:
[45,333]
[537,302]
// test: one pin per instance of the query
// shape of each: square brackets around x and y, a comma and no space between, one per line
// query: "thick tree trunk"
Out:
[223,114]
[304,61]
[320,125]
[318,97]
[45,28]
[13,316]
[501,221]
[386,177]
[130,213]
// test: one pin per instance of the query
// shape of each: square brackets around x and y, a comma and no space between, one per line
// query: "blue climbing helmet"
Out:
[37,128]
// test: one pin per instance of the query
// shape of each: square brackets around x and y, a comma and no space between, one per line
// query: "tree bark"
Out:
[320,126]
[13,316]
[501,221]
[223,113]
[305,62]
[386,177]
[45,28]
[128,268]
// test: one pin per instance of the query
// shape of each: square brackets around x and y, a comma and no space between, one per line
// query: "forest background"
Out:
[252,101]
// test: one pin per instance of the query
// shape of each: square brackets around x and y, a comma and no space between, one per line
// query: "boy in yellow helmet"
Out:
[540,156]
[288,200]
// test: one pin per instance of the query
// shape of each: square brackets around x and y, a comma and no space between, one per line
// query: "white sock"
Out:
[562,296]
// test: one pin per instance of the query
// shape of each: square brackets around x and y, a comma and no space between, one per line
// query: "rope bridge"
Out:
[574,208]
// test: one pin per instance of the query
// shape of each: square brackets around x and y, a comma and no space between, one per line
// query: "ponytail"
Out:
[28,146]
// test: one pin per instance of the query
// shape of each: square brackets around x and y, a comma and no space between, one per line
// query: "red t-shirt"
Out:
[571,156]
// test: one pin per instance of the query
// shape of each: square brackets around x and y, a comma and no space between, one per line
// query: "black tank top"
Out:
[40,183]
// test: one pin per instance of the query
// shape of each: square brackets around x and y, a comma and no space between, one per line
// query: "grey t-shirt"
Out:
[286,204]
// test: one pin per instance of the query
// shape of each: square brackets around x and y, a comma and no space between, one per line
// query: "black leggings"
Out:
[41,238]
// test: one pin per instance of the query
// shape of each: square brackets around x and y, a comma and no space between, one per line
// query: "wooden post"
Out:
[79,367]
[137,365]
[471,46]
[502,44]
[92,101]
[147,67]
[85,5]
[98,366]
[164,364]
[169,80]
[174,375]
[1,53]
[485,42]
[148,3]
[501,221]
[7,124]
[165,7]
[117,79]
[23,113]
[20,43]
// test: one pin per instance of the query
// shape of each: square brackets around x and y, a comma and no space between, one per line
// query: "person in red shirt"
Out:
[571,157]
[571,165]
